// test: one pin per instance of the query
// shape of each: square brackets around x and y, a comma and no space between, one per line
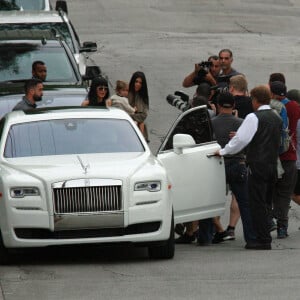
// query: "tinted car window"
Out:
[16,62]
[29,4]
[71,136]
[196,123]
[61,28]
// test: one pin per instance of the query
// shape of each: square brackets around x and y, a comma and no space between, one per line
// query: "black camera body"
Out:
[205,64]
[181,102]
[204,68]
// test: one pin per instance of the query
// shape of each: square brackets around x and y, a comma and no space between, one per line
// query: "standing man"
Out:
[33,92]
[39,70]
[285,185]
[260,132]
[201,75]
[226,59]
[224,124]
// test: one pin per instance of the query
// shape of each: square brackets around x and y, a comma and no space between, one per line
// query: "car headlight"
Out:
[20,192]
[150,186]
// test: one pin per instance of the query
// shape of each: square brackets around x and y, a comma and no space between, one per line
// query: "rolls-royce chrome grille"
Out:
[72,197]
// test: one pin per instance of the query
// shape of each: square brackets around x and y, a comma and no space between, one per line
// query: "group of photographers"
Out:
[264,179]
[217,76]
[261,130]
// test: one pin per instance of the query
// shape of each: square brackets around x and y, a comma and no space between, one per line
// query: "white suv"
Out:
[32,5]
[46,20]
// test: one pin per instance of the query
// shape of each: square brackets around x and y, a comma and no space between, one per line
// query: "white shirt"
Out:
[244,134]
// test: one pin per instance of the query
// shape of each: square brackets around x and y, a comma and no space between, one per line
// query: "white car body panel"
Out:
[191,174]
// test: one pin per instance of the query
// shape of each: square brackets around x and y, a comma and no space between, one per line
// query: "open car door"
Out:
[197,178]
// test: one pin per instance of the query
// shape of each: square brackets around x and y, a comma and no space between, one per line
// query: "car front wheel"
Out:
[167,249]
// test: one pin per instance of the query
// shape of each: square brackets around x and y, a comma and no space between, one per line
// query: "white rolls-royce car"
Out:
[86,175]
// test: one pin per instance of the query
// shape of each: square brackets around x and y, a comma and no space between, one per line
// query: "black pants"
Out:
[261,182]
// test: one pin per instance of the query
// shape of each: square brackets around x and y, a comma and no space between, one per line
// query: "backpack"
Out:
[279,108]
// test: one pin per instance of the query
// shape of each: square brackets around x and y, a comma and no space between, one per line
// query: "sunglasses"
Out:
[102,88]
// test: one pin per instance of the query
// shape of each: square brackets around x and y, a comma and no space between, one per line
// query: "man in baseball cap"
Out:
[278,88]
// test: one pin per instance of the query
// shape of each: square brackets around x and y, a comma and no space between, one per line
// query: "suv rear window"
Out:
[16,62]
[28,4]
[61,28]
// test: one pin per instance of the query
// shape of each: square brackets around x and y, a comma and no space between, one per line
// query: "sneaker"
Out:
[180,229]
[221,237]
[201,243]
[230,235]
[185,239]
[258,246]
[282,233]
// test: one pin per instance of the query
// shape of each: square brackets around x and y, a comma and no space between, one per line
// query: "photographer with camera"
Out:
[181,100]
[206,71]
[225,60]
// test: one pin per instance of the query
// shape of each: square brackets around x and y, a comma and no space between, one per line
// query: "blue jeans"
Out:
[205,231]
[236,176]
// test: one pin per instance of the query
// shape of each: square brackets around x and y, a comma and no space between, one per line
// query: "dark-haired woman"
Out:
[138,97]
[98,94]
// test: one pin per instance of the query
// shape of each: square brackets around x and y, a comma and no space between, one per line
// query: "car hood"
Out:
[67,167]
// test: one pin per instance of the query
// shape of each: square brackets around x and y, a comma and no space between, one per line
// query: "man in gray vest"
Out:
[260,132]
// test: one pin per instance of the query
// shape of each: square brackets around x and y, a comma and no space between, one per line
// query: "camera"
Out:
[181,102]
[204,68]
[205,64]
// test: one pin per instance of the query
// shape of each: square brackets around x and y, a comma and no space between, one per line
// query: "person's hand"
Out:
[210,78]
[197,68]
[217,153]
[108,102]
[213,107]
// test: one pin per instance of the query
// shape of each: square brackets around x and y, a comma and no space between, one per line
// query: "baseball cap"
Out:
[226,100]
[278,88]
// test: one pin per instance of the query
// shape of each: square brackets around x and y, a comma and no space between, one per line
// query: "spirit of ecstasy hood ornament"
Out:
[84,167]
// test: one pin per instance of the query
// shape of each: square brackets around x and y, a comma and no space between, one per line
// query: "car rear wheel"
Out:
[167,249]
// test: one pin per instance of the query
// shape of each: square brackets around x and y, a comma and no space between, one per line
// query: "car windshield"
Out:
[71,136]
[61,28]
[16,62]
[27,4]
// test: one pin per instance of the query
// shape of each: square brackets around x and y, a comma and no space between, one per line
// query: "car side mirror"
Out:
[181,141]
[88,47]
[61,5]
[91,72]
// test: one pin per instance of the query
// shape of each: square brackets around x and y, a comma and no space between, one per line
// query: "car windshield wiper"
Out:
[13,81]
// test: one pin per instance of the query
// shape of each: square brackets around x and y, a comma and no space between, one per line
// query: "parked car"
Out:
[19,49]
[64,183]
[55,21]
[32,5]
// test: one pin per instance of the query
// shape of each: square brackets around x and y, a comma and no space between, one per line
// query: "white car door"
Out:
[198,181]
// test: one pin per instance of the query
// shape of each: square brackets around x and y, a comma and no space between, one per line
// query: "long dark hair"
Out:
[92,95]
[143,92]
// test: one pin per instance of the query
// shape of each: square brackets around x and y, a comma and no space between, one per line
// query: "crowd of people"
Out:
[258,132]
[131,97]
[259,136]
